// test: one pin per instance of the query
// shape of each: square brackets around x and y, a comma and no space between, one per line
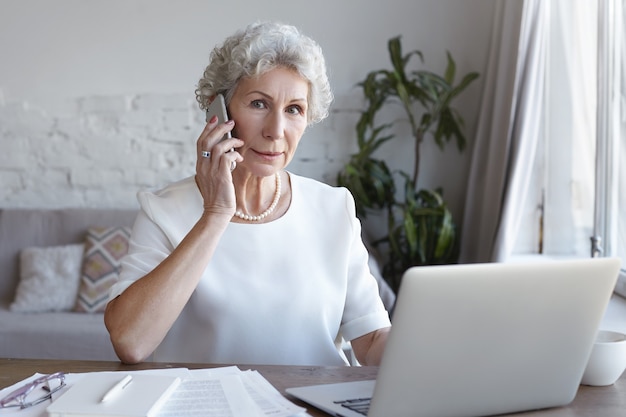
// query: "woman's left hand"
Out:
[369,348]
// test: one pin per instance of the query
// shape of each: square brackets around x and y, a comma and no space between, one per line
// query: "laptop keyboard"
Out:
[359,405]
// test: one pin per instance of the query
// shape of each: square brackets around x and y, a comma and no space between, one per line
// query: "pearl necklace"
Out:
[267,212]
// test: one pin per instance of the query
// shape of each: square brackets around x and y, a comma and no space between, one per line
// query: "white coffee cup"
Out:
[608,359]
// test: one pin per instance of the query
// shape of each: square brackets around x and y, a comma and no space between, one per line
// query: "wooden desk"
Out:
[590,401]
[281,377]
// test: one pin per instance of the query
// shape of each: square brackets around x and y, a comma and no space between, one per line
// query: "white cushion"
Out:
[49,278]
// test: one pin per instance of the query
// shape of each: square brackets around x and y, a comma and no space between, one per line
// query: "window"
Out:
[559,214]
[577,205]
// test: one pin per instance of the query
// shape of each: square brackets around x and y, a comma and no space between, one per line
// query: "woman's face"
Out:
[270,114]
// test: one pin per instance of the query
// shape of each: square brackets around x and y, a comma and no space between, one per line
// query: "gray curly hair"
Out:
[261,47]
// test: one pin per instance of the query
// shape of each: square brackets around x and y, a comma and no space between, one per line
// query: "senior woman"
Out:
[246,262]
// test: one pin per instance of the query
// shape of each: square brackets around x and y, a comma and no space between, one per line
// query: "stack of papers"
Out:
[225,391]
[228,392]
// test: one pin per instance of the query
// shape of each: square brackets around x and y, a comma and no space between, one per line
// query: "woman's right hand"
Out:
[213,172]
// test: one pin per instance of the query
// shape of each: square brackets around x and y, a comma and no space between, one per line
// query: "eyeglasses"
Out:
[20,397]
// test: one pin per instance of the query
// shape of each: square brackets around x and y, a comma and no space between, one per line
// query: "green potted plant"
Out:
[420,228]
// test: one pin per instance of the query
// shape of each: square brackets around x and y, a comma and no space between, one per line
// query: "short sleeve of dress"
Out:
[364,310]
[147,248]
[155,233]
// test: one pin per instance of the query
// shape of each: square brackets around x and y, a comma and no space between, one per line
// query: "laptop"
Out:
[482,339]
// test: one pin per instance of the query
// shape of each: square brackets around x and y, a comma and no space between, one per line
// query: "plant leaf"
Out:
[450,70]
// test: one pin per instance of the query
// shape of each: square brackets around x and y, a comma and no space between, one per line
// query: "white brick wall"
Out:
[98,151]
[77,130]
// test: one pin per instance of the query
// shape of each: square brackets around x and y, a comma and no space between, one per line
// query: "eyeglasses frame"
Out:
[19,395]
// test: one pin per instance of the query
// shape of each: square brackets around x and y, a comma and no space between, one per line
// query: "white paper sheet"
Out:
[219,392]
[39,410]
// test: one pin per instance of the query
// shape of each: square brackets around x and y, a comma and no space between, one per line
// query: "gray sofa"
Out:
[54,335]
[63,334]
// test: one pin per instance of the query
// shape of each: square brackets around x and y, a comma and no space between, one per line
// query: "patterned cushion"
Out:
[104,250]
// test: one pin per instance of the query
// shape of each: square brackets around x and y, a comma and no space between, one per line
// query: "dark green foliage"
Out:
[421,230]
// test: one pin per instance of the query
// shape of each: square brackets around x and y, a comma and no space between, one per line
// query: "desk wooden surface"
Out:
[589,402]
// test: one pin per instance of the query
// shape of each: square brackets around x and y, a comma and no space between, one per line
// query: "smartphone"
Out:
[218,108]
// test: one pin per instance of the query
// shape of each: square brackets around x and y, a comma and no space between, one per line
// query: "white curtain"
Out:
[610,198]
[508,128]
[609,124]
[620,229]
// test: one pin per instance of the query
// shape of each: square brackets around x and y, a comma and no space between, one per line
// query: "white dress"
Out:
[283,292]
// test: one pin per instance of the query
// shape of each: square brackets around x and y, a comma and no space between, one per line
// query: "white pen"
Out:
[117,388]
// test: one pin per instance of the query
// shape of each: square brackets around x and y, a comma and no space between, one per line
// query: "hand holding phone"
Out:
[218,108]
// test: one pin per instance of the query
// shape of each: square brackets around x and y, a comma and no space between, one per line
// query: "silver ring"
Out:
[206,154]
[233,165]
